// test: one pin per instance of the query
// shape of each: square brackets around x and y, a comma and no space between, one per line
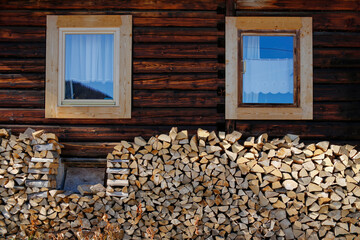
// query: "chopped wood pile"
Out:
[28,170]
[175,186]
[210,185]
[43,165]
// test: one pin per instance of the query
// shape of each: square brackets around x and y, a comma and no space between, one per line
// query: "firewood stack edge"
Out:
[205,186]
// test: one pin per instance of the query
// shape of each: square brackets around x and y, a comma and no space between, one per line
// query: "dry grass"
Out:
[111,231]
[151,233]
[197,223]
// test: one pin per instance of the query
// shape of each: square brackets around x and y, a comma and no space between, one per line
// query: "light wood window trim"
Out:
[121,105]
[304,108]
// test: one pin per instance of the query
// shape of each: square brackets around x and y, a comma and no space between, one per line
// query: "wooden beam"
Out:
[230,7]
[230,126]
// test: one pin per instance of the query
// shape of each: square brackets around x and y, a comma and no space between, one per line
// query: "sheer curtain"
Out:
[265,76]
[89,59]
[251,50]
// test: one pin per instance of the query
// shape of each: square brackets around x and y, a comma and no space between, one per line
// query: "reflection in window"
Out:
[268,70]
[89,61]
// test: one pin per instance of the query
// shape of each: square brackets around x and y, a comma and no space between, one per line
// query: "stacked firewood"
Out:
[27,167]
[176,186]
[118,169]
[43,166]
[210,185]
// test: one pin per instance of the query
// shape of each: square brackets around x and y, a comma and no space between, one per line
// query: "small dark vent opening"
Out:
[74,172]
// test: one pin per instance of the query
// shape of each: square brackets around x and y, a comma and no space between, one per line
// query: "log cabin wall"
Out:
[336,75]
[178,69]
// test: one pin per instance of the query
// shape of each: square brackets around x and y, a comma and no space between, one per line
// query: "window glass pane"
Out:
[268,74]
[89,61]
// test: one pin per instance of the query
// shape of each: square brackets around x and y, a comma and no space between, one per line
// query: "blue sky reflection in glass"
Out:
[89,66]
[268,74]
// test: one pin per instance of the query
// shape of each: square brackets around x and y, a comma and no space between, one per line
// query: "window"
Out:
[88,66]
[268,68]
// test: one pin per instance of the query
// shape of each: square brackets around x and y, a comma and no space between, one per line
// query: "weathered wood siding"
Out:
[178,66]
[336,58]
[178,69]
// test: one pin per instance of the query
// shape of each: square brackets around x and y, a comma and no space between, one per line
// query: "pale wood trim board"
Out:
[123,60]
[305,109]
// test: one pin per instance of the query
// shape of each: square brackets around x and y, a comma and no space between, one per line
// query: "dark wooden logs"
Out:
[337,76]
[141,98]
[175,38]
[347,57]
[287,5]
[338,39]
[31,50]
[191,81]
[173,50]
[306,129]
[33,34]
[38,18]
[184,66]
[140,116]
[323,111]
[22,65]
[109,4]
[22,80]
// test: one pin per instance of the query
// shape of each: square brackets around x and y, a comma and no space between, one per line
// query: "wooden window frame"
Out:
[301,27]
[120,106]
[88,102]
[296,78]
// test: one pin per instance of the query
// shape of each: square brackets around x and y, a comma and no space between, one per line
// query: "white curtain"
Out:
[269,76]
[264,75]
[251,47]
[89,58]
[251,50]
